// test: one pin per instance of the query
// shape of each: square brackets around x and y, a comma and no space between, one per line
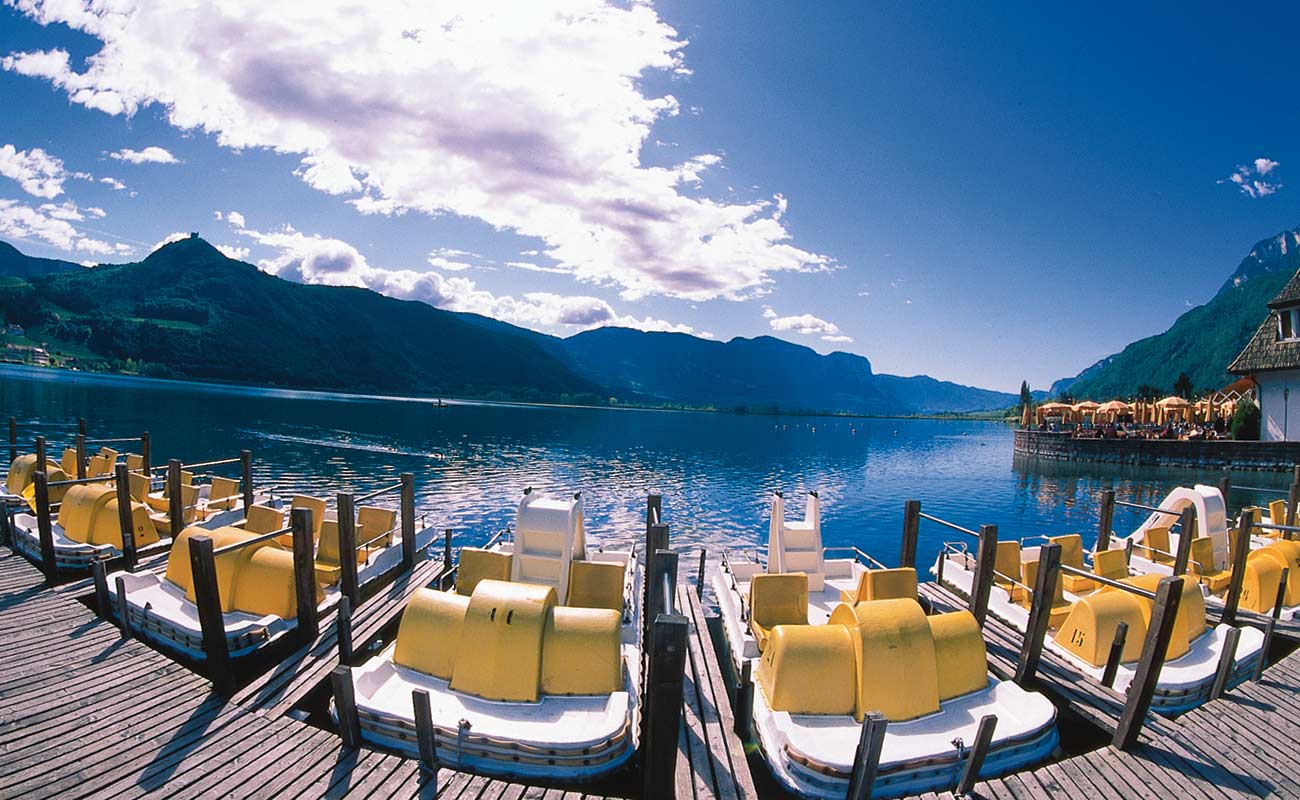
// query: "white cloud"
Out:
[231,251]
[530,118]
[235,218]
[39,173]
[49,223]
[149,155]
[175,236]
[1249,178]
[806,324]
[113,183]
[95,246]
[837,338]
[96,212]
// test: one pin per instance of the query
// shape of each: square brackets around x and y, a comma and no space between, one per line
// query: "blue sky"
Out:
[982,196]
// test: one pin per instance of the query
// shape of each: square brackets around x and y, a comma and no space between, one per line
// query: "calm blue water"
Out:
[715,471]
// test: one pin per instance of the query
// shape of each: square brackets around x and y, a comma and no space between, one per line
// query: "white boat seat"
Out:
[548,538]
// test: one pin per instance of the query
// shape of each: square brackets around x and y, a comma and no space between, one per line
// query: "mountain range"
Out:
[189,311]
[1201,342]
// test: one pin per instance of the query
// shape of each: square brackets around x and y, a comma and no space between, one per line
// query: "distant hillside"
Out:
[1202,341]
[20,265]
[187,310]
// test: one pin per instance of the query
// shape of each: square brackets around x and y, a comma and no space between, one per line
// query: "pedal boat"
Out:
[531,663]
[256,583]
[1085,615]
[1153,544]
[836,640]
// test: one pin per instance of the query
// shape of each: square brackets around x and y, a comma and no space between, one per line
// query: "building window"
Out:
[1288,324]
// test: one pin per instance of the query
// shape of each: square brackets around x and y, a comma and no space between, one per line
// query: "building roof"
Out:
[1264,352]
[1290,294]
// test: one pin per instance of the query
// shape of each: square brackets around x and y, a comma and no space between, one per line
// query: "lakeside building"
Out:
[1272,359]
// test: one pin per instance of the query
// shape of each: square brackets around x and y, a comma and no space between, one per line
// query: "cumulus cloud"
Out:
[806,324]
[37,172]
[530,118]
[113,183]
[49,223]
[1251,180]
[149,155]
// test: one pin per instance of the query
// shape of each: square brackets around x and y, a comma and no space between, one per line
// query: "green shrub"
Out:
[1245,421]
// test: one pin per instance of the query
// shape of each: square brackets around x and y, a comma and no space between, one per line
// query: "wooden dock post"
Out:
[699,576]
[1168,595]
[1227,663]
[345,705]
[745,701]
[1115,656]
[654,511]
[1242,549]
[983,578]
[1040,613]
[48,564]
[207,599]
[1186,526]
[1105,519]
[408,521]
[975,761]
[99,575]
[348,548]
[446,549]
[1225,489]
[145,453]
[13,440]
[425,737]
[1292,497]
[81,426]
[124,516]
[81,456]
[41,455]
[343,629]
[175,503]
[246,479]
[662,713]
[867,757]
[123,610]
[1270,627]
[304,573]
[911,531]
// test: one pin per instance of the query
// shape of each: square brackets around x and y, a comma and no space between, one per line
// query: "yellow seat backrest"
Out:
[476,565]
[1259,584]
[596,584]
[428,637]
[810,669]
[1189,623]
[110,454]
[1277,512]
[139,486]
[1157,538]
[263,582]
[1007,562]
[328,549]
[317,507]
[1031,580]
[897,673]
[79,507]
[224,493]
[1286,552]
[506,622]
[263,519]
[1071,549]
[959,652]
[187,478]
[21,470]
[178,561]
[1089,629]
[777,598]
[1202,556]
[886,584]
[373,522]
[1110,564]
[582,651]
[134,462]
[69,462]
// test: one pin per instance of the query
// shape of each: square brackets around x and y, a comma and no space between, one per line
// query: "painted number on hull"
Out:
[1076,638]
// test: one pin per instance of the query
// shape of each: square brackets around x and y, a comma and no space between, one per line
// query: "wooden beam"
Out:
[911,533]
[246,479]
[175,503]
[408,521]
[1242,534]
[81,426]
[975,760]
[145,452]
[1227,663]
[1168,595]
[345,706]
[81,455]
[1115,656]
[99,575]
[699,576]
[1105,519]
[983,578]
[304,573]
[125,518]
[348,548]
[1293,496]
[13,440]
[1186,527]
[343,628]
[654,511]
[1040,613]
[1270,627]
[425,737]
[41,455]
[446,549]
[207,599]
[43,528]
[866,758]
[123,610]
[745,701]
[661,715]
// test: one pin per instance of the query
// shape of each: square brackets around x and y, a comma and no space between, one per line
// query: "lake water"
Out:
[715,471]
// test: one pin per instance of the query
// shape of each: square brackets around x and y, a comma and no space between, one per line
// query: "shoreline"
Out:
[1216,454]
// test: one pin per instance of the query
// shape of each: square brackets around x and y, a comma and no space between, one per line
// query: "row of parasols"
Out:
[1142,412]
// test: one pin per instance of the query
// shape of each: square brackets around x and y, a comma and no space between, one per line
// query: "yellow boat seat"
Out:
[959,652]
[1201,566]
[375,523]
[897,670]
[1089,628]
[317,507]
[596,584]
[257,579]
[89,515]
[1156,545]
[69,462]
[1110,564]
[139,487]
[1259,584]
[223,495]
[1277,515]
[134,462]
[428,637]
[24,467]
[809,669]
[882,584]
[263,519]
[1072,556]
[477,564]
[1189,624]
[187,478]
[776,598]
[1060,606]
[1286,552]
[329,556]
[189,509]
[1007,569]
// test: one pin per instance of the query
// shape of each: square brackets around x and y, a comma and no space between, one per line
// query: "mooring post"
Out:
[1293,496]
[125,519]
[1040,613]
[1225,489]
[975,760]
[304,573]
[446,549]
[207,600]
[661,715]
[246,479]
[1168,595]
[1105,519]
[871,740]
[40,452]
[175,503]
[911,531]
[81,456]
[1116,655]
[408,521]
[348,548]
[345,705]
[343,627]
[1245,523]
[1270,627]
[145,453]
[13,440]
[43,528]
[1227,663]
[424,733]
[699,576]
[654,510]
[983,578]
[81,426]
[745,701]
[1186,531]
[123,610]
[99,573]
